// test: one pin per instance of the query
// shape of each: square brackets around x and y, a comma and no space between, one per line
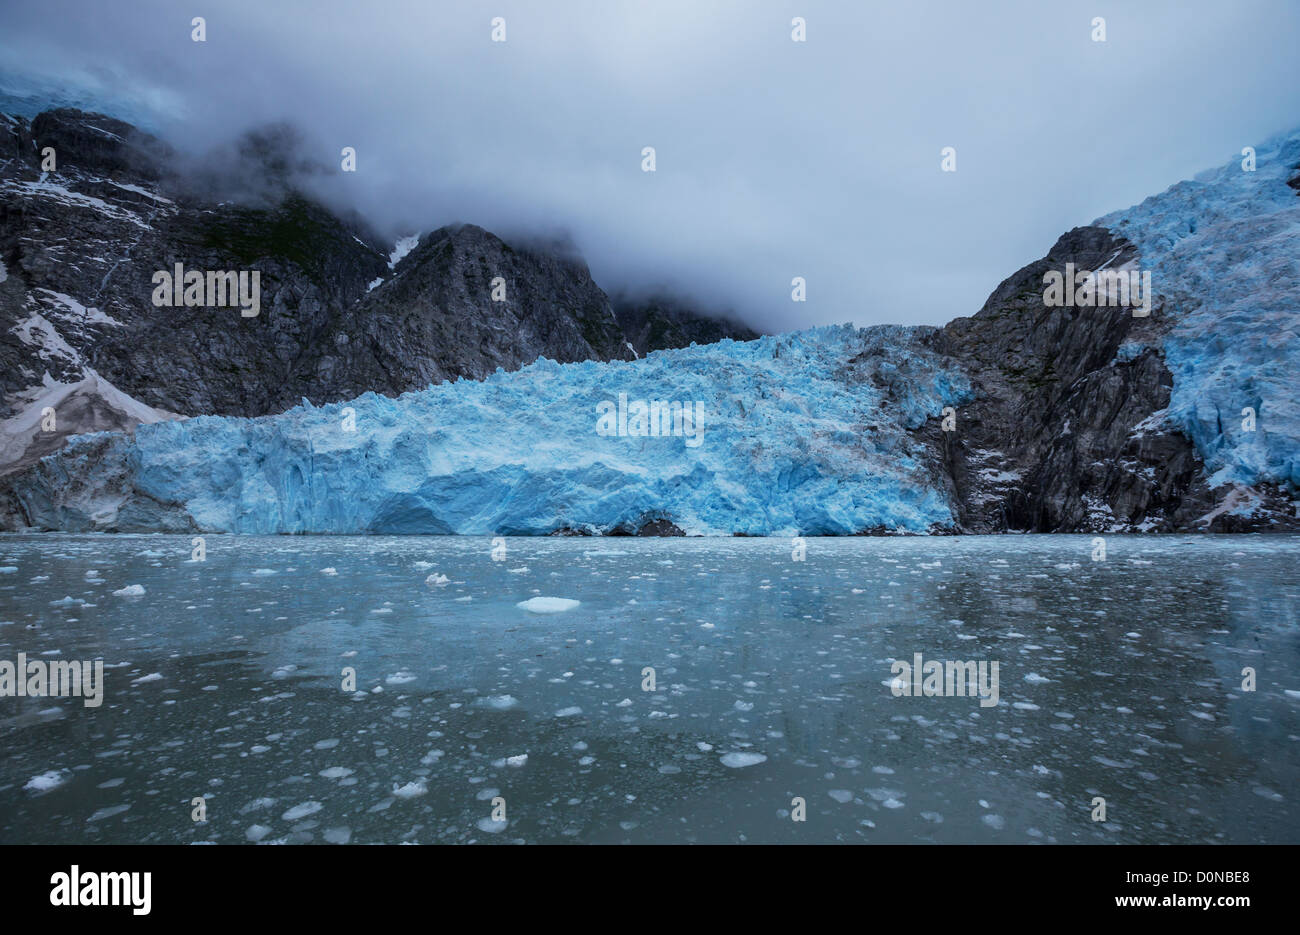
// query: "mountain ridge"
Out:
[79,245]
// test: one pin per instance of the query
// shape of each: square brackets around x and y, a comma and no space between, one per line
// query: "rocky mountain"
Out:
[663,321]
[1051,440]
[338,314]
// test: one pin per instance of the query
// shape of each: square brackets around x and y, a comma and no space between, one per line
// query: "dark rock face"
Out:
[662,322]
[80,246]
[100,145]
[1062,434]
[436,318]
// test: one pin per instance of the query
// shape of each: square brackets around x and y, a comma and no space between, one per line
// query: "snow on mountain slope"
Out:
[1224,252]
[91,404]
[802,433]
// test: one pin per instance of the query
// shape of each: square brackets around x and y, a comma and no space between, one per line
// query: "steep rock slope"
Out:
[661,321]
[339,313]
[435,317]
[80,246]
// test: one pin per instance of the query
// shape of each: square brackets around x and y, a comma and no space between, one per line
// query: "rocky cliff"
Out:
[339,313]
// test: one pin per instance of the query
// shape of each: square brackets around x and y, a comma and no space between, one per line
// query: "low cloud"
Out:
[775,159]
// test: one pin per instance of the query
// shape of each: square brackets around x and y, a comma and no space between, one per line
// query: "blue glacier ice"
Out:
[804,433]
[1224,253]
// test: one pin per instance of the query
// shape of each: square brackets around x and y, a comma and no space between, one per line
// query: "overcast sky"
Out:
[775,158]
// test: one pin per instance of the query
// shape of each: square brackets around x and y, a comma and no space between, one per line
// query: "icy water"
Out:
[1119,679]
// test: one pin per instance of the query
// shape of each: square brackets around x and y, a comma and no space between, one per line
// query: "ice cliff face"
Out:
[804,433]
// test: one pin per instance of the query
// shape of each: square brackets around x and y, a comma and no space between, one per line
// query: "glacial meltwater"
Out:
[777,713]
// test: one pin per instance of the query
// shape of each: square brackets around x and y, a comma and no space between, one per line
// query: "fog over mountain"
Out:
[774,158]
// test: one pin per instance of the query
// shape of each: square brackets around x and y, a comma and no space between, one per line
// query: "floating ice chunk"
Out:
[568,712]
[741,760]
[108,812]
[410,790]
[336,772]
[843,796]
[51,779]
[490,826]
[548,605]
[151,677]
[302,811]
[436,580]
[8,569]
[996,822]
[255,833]
[329,571]
[264,571]
[519,760]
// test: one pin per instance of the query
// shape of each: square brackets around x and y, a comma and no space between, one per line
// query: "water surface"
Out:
[1119,679]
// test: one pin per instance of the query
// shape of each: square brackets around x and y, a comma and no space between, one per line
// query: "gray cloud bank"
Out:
[775,158]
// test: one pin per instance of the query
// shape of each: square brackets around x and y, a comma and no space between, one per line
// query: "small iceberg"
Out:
[548,605]
[741,760]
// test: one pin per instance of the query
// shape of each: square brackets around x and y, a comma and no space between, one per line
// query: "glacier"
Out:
[1224,253]
[805,433]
